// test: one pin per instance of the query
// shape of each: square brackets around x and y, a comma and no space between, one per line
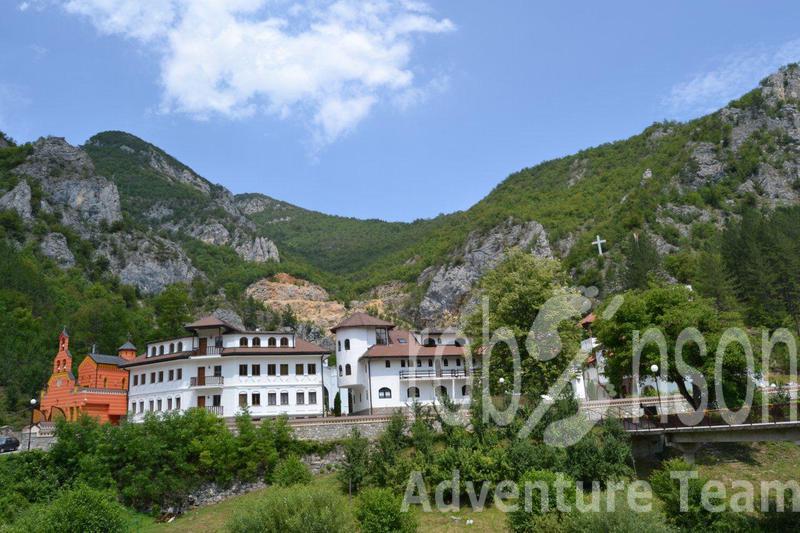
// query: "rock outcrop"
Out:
[54,246]
[18,199]
[259,250]
[449,286]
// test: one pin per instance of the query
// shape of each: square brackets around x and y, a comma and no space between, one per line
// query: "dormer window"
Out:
[284,341]
[243,342]
[381,336]
[161,350]
[271,342]
[153,351]
[256,341]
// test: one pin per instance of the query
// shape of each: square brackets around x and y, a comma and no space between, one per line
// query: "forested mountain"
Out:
[93,236]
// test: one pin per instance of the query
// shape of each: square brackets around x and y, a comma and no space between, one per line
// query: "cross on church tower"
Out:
[599,242]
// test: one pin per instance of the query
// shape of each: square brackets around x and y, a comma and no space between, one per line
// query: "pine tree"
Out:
[642,262]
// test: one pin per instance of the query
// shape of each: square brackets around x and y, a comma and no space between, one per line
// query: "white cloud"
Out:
[327,62]
[735,75]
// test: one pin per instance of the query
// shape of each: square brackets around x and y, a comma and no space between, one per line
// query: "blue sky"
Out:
[392,110]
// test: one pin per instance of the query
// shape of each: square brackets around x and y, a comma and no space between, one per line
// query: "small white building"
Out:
[224,369]
[381,368]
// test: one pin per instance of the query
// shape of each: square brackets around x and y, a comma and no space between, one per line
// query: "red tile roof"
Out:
[409,348]
[357,320]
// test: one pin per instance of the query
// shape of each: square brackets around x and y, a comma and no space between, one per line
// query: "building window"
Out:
[133,407]
[123,383]
[419,362]
[301,398]
[284,341]
[160,376]
[159,405]
[152,377]
[458,362]
[256,399]
[388,363]
[270,369]
[403,363]
[178,403]
[135,379]
[271,399]
[161,350]
[347,370]
[430,363]
[381,337]
[256,370]
[152,403]
[446,362]
[298,369]
[180,346]
[284,369]
[105,383]
[180,373]
[243,400]
[465,390]
[312,398]
[412,392]
[242,370]
[384,392]
[441,391]
[312,369]
[153,351]
[171,375]
[169,404]
[339,345]
[347,344]
[216,400]
[243,342]
[172,347]
[256,341]
[340,370]
[271,342]
[284,398]
[141,407]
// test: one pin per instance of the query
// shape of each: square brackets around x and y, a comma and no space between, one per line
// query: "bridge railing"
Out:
[775,414]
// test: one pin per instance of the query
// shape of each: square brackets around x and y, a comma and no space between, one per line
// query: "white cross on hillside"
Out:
[599,242]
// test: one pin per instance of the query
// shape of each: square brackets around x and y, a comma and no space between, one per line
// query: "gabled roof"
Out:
[402,343]
[106,359]
[127,346]
[357,320]
[209,321]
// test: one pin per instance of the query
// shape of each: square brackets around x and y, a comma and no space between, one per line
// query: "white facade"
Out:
[225,371]
[381,369]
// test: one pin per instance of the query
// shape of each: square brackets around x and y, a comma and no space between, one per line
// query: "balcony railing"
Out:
[216,409]
[432,373]
[209,350]
[111,392]
[207,381]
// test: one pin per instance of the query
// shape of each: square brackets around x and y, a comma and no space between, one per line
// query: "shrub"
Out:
[300,510]
[355,465]
[543,508]
[291,471]
[78,509]
[667,489]
[621,519]
[379,511]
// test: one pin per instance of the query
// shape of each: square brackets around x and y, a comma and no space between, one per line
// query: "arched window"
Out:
[384,392]
[340,370]
[161,350]
[446,362]
[465,390]
[284,341]
[180,346]
[256,341]
[172,347]
[413,392]
[339,345]
[243,341]
[441,391]
[347,369]
[429,342]
[347,344]
[271,341]
[153,350]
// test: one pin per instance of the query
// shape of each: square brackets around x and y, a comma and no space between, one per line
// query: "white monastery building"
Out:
[224,369]
[381,367]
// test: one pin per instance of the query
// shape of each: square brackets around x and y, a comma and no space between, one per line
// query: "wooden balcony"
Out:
[207,381]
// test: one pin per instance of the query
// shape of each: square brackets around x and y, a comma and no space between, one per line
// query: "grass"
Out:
[764,461]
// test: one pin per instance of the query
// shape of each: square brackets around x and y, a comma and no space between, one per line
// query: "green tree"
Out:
[354,468]
[172,310]
[516,291]
[291,471]
[380,511]
[671,310]
[642,261]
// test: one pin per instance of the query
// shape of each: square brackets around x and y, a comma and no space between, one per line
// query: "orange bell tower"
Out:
[63,359]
